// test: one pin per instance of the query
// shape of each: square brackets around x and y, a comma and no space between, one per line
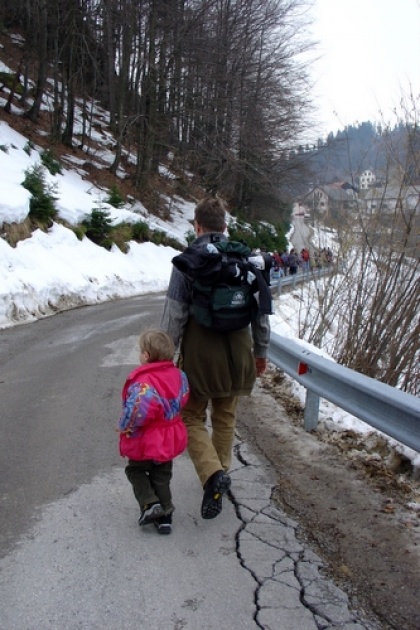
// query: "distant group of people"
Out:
[323,257]
[288,263]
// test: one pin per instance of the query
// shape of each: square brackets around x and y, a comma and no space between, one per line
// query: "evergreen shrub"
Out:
[107,243]
[98,227]
[140,232]
[115,197]
[158,237]
[259,235]
[42,204]
[9,80]
[50,162]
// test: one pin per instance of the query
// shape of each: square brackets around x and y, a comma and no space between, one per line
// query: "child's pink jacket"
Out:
[150,424]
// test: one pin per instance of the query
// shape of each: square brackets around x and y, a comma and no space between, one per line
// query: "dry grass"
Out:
[15,232]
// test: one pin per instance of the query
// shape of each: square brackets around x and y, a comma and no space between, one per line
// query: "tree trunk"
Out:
[33,112]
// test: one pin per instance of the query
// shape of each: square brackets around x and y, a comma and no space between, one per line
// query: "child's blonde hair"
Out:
[158,344]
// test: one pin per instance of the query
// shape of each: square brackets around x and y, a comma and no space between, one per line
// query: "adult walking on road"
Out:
[220,366]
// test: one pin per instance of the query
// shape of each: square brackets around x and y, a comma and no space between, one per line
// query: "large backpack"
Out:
[225,285]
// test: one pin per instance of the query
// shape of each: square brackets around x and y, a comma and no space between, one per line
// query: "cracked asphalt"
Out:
[85,563]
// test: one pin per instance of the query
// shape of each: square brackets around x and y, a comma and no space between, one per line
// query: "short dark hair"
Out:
[210,214]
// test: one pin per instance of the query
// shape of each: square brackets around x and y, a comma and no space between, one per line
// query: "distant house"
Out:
[332,198]
[388,199]
[373,200]
[367,179]
[319,200]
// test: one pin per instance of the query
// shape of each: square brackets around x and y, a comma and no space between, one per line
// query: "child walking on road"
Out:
[152,432]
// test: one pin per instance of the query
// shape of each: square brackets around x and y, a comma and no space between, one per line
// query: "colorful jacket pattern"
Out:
[150,425]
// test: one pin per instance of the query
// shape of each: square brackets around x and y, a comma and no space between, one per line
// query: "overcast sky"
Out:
[370,55]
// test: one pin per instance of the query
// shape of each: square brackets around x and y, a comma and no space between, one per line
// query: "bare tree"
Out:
[242,106]
[215,82]
[39,14]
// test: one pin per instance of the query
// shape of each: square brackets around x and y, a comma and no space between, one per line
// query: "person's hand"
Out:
[260,365]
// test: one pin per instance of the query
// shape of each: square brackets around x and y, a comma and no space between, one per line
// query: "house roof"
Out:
[336,194]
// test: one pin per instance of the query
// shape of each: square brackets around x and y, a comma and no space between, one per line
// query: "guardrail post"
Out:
[311,413]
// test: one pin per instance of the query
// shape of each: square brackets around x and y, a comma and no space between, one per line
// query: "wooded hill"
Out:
[213,86]
[390,151]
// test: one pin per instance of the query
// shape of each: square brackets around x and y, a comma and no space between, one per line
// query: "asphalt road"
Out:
[60,402]
[302,233]
[72,554]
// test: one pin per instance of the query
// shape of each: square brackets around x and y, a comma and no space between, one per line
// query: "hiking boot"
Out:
[150,513]
[164,524]
[214,489]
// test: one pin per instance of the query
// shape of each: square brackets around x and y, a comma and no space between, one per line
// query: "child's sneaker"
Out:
[150,513]
[164,524]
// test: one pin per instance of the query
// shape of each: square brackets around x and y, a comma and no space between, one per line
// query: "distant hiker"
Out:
[305,259]
[329,256]
[326,256]
[152,432]
[286,262]
[278,263]
[293,262]
[220,366]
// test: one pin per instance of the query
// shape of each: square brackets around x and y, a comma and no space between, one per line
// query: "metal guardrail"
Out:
[391,411]
[277,283]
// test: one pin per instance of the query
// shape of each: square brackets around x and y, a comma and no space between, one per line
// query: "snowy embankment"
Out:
[54,271]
